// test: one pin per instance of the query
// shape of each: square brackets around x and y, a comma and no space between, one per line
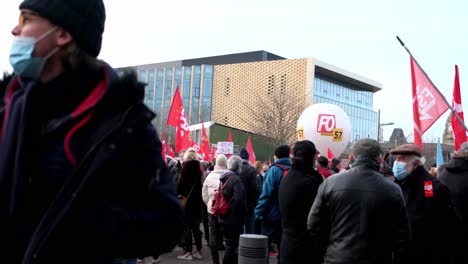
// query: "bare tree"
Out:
[274,115]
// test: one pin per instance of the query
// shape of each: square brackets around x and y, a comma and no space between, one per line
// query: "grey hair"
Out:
[234,163]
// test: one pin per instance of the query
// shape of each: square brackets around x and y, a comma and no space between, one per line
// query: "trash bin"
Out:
[253,249]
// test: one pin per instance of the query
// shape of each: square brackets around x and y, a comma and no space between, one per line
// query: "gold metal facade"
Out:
[236,86]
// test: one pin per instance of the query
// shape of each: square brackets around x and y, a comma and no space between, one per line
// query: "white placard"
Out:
[225,148]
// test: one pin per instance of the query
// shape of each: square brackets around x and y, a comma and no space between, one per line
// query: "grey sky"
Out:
[358,36]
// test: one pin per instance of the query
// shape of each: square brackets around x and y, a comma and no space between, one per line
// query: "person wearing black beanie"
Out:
[296,195]
[79,156]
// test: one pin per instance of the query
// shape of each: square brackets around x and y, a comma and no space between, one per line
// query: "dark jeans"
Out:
[273,231]
[231,237]
[216,237]
[250,224]
[206,227]
[192,228]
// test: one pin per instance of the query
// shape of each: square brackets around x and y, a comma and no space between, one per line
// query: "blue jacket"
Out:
[110,192]
[268,203]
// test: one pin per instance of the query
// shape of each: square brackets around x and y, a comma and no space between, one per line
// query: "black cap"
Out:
[83,19]
[304,149]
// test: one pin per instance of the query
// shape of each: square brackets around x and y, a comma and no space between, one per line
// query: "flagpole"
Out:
[437,89]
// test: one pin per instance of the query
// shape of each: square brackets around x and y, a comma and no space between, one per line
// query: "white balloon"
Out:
[327,126]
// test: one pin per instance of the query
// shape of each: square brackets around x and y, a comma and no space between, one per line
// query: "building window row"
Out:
[196,88]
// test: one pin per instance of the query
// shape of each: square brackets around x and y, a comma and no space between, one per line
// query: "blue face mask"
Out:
[399,170]
[22,60]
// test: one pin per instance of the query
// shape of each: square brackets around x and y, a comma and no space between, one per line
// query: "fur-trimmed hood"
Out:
[458,163]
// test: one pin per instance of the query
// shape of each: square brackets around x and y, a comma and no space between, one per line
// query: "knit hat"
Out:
[221,162]
[83,19]
[282,151]
[244,154]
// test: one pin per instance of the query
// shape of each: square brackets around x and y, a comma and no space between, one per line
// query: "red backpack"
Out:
[220,205]
[283,168]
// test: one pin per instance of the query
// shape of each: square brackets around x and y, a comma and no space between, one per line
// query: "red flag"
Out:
[428,104]
[163,137]
[205,145]
[458,130]
[175,110]
[330,155]
[177,118]
[229,136]
[250,150]
[170,152]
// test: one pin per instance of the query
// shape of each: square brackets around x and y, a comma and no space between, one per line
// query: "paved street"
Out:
[171,258]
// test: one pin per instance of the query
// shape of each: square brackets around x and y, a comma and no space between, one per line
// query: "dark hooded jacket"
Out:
[81,171]
[234,192]
[296,195]
[433,222]
[454,175]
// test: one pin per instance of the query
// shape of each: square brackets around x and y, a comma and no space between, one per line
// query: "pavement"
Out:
[171,258]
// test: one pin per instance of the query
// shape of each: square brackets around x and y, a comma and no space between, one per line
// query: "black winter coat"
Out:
[455,176]
[359,217]
[109,194]
[191,177]
[252,186]
[296,195]
[432,219]
[234,193]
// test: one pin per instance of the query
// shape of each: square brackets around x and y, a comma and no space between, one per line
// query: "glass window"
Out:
[150,89]
[177,77]
[159,90]
[186,88]
[167,92]
[207,93]
[142,76]
[196,95]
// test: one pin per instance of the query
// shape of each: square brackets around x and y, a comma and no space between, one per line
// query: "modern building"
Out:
[215,89]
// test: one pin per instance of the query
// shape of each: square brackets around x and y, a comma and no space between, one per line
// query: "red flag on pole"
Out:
[177,118]
[229,136]
[458,130]
[205,145]
[330,155]
[250,150]
[163,137]
[428,104]
[170,152]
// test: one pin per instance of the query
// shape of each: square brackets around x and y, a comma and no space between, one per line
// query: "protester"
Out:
[358,215]
[252,190]
[454,175]
[81,171]
[233,221]
[322,167]
[210,186]
[432,218]
[189,187]
[267,208]
[335,165]
[296,194]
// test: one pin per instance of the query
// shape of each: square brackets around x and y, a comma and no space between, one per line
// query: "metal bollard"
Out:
[253,249]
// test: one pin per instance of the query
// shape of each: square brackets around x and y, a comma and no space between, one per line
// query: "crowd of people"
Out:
[381,208]
[83,180]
